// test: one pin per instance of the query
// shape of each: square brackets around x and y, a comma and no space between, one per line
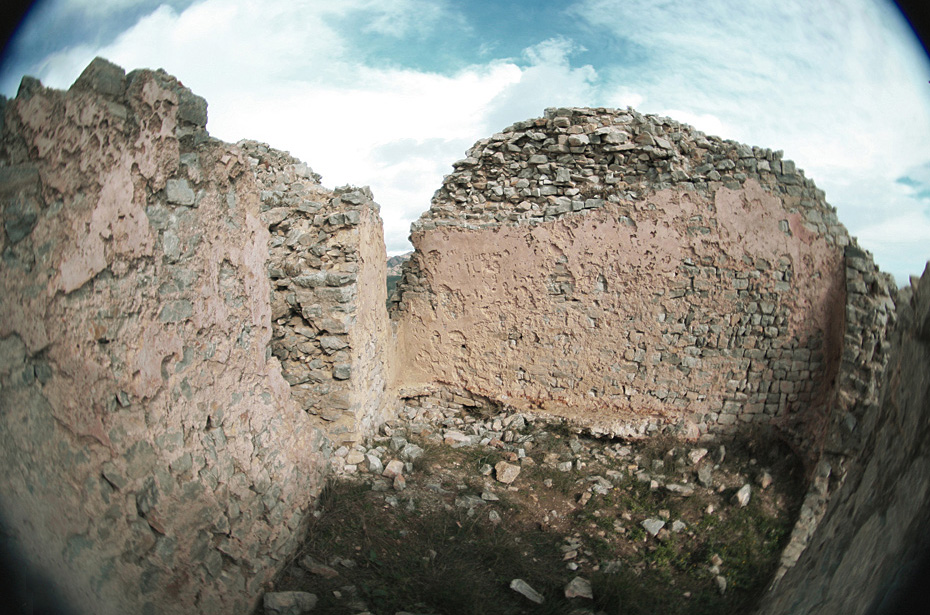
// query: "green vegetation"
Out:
[437,547]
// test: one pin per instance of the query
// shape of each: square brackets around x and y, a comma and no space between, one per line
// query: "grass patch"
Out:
[423,550]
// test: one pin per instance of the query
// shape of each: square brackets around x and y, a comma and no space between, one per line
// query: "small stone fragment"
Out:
[355,458]
[721,583]
[523,588]
[697,454]
[706,475]
[765,479]
[373,464]
[314,567]
[579,588]
[469,501]
[682,490]
[395,467]
[289,603]
[411,452]
[454,438]
[742,496]
[506,472]
[400,483]
[178,192]
[653,525]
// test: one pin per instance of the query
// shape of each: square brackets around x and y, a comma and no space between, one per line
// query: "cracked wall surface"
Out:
[154,461]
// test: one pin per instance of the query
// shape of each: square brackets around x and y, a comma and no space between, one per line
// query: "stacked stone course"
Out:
[572,160]
[714,329]
[327,269]
[860,547]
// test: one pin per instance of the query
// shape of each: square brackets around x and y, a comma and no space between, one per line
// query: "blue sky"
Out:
[390,93]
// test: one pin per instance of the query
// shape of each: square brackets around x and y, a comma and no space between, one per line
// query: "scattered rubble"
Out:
[608,507]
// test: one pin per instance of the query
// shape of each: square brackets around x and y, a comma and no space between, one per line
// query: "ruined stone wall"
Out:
[153,460]
[629,271]
[854,403]
[164,410]
[328,269]
[873,537]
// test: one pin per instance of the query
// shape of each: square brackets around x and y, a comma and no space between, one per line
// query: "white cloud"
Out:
[402,17]
[549,81]
[623,97]
[708,123]
[840,87]
[835,85]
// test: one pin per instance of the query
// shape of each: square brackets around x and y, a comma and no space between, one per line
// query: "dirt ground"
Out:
[590,525]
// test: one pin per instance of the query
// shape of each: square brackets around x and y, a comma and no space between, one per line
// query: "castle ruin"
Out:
[189,328]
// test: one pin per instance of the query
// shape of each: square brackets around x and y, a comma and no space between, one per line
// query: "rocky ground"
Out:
[450,512]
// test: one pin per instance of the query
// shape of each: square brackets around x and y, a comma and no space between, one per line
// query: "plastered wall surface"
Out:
[153,460]
[629,271]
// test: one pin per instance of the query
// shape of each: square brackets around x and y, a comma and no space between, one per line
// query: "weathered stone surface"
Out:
[152,420]
[579,587]
[178,192]
[653,525]
[506,472]
[289,603]
[741,498]
[104,77]
[523,588]
[395,467]
[682,490]
[314,567]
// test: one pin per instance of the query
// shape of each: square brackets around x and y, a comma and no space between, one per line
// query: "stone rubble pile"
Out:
[388,464]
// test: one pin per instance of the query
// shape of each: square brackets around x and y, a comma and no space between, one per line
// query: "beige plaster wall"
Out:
[711,308]
[153,461]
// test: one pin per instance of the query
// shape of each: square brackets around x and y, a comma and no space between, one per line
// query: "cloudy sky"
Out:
[390,93]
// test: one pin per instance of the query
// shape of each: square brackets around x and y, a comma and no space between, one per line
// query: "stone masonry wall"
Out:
[854,405]
[328,268]
[873,537]
[153,459]
[629,271]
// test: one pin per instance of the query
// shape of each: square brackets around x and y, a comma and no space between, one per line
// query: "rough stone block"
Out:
[178,192]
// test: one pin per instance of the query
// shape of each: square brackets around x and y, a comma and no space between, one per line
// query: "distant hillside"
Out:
[394,265]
